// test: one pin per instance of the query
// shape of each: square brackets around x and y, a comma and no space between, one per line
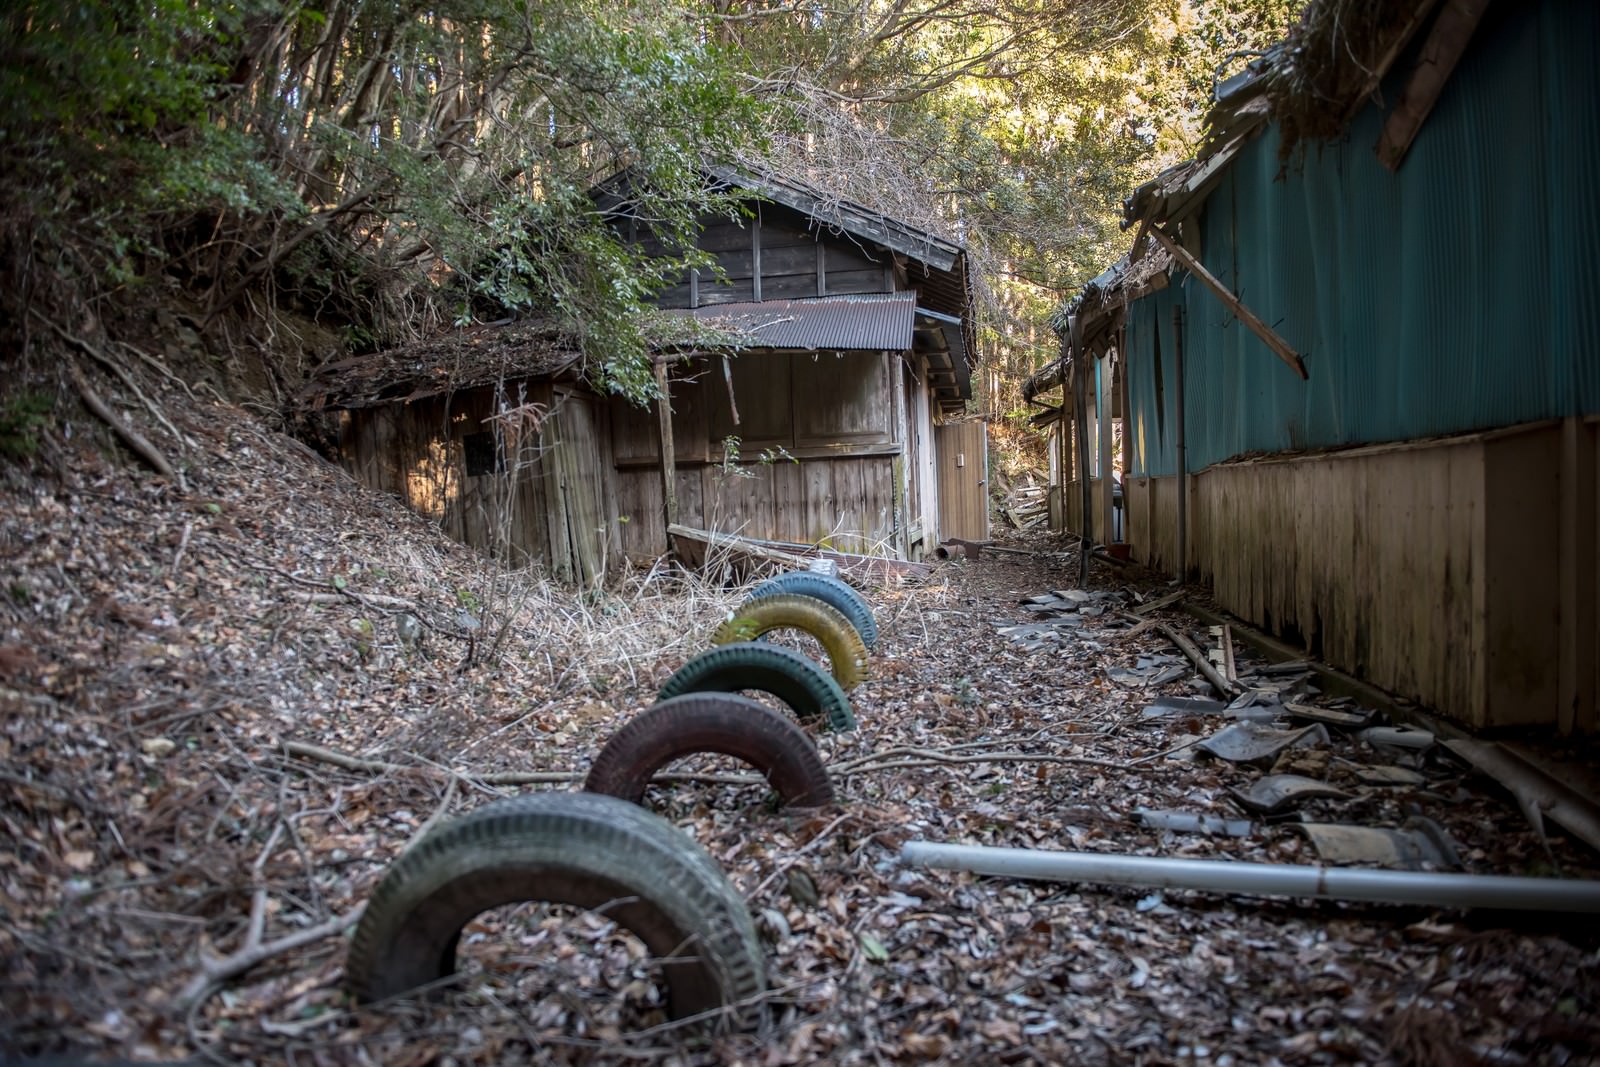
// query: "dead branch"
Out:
[369,766]
[99,408]
[932,758]
[216,970]
[130,437]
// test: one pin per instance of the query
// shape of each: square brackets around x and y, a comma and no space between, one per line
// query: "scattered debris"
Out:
[1218,682]
[1406,737]
[1434,889]
[1193,823]
[1426,846]
[1277,792]
[1170,707]
[1348,720]
[1539,795]
[1387,775]
[1249,742]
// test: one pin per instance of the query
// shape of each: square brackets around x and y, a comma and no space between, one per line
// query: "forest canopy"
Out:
[386,170]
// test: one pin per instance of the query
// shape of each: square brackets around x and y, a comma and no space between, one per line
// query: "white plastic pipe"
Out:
[1263,879]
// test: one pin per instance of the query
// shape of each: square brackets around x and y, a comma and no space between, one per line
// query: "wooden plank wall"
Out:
[843,503]
[795,262]
[818,418]
[1432,569]
[554,502]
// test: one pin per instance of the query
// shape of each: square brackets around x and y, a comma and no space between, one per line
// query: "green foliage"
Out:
[1018,127]
[389,168]
[363,160]
[21,418]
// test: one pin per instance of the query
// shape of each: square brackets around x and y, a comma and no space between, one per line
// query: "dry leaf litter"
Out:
[162,651]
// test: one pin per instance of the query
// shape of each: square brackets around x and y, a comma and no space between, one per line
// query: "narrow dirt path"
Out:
[162,653]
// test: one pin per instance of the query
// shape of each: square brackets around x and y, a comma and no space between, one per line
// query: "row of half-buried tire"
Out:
[600,850]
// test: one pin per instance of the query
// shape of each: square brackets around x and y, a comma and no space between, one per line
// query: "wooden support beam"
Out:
[755,256]
[1451,33]
[1102,396]
[1080,415]
[669,472]
[1267,334]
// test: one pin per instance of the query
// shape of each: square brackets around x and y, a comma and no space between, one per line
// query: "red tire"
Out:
[712,722]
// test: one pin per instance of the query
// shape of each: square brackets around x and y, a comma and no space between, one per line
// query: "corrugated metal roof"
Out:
[876,322]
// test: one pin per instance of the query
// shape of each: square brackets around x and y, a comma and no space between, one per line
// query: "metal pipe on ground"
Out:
[1263,879]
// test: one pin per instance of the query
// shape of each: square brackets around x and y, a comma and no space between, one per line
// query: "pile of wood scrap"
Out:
[1027,506]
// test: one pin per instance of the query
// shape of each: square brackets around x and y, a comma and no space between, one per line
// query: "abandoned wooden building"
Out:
[1302,417]
[833,419]
[838,419]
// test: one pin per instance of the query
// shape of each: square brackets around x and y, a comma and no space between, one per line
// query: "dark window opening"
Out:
[483,455]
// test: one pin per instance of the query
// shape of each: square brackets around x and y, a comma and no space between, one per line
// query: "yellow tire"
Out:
[792,611]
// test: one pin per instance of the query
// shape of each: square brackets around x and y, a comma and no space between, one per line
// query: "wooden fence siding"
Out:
[821,508]
[636,432]
[840,399]
[1375,562]
[849,257]
[788,286]
[738,292]
[676,296]
[1521,518]
[850,493]
[845,282]
[963,449]
[880,523]
[1431,569]
[690,484]
[777,233]
[788,489]
[786,259]
[763,398]
[640,514]
[721,235]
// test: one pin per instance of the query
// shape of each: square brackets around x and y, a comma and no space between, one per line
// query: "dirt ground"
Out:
[162,649]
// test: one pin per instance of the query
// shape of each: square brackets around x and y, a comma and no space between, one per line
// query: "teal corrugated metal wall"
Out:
[1462,293]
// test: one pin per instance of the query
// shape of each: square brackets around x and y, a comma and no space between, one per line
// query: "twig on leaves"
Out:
[216,970]
[925,757]
[808,847]
[130,437]
[369,766]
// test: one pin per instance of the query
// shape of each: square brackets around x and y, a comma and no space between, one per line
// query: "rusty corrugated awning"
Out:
[877,322]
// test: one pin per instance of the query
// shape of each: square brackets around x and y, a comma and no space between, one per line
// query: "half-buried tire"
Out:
[581,849]
[792,611]
[712,722]
[835,593]
[810,691]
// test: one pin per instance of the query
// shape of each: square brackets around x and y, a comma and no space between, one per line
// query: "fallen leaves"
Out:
[161,651]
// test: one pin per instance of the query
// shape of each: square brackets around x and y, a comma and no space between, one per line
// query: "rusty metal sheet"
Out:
[876,322]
